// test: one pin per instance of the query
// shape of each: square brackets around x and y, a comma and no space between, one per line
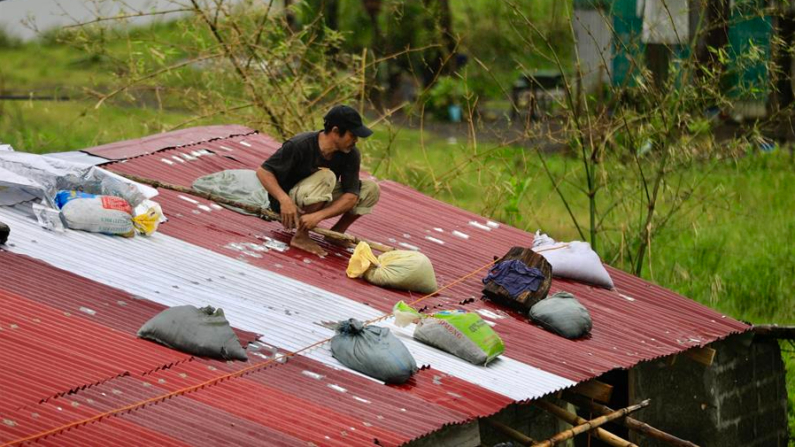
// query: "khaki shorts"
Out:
[322,186]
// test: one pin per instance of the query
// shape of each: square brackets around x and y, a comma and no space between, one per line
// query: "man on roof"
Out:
[314,176]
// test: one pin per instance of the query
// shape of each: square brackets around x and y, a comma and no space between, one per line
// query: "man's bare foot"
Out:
[339,242]
[304,242]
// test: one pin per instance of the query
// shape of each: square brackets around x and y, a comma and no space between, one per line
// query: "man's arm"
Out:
[342,205]
[289,212]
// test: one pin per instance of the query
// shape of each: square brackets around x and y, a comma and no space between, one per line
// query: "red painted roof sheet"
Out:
[301,402]
[123,150]
[67,292]
[70,365]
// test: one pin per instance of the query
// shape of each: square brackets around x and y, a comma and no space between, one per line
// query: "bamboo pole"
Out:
[631,423]
[590,425]
[573,419]
[511,433]
[264,213]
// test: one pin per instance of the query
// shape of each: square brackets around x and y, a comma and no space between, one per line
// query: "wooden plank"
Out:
[594,389]
[704,355]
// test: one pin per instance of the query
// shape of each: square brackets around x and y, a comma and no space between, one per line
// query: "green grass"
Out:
[46,126]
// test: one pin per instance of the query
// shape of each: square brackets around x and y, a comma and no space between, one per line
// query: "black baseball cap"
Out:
[346,117]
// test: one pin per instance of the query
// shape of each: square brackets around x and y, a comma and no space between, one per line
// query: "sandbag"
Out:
[464,334]
[562,314]
[203,332]
[399,269]
[240,185]
[373,351]
[105,214]
[574,260]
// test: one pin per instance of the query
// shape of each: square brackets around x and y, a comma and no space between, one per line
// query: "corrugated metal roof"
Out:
[70,293]
[457,242]
[79,368]
[289,313]
[78,157]
[208,255]
[124,150]
[86,352]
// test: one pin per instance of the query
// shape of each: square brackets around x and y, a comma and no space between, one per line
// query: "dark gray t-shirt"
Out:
[299,157]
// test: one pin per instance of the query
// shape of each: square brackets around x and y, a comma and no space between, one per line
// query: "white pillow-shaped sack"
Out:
[573,260]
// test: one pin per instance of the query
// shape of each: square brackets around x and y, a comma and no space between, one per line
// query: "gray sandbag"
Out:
[203,332]
[373,351]
[240,185]
[562,314]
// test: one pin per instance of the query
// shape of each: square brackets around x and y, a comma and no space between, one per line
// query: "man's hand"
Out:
[289,214]
[309,221]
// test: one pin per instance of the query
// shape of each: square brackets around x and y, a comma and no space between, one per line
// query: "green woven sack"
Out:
[463,334]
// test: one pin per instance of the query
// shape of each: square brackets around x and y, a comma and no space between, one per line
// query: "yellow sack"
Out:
[147,222]
[399,269]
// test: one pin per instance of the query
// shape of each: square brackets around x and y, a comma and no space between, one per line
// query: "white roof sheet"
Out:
[287,312]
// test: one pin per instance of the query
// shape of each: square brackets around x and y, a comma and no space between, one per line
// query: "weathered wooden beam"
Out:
[590,425]
[573,419]
[775,331]
[514,434]
[631,423]
[264,213]
[595,389]
[704,355]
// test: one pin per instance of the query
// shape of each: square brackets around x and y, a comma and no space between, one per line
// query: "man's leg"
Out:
[312,194]
[369,194]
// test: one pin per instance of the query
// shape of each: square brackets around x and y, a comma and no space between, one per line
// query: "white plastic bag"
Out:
[573,260]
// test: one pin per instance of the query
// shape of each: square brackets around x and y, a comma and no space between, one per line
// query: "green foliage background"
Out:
[732,252]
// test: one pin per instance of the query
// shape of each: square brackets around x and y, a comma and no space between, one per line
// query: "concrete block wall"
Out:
[741,399]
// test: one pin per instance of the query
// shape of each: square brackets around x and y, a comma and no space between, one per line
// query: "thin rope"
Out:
[211,382]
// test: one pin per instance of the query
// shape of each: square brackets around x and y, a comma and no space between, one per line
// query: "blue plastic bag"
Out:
[64,197]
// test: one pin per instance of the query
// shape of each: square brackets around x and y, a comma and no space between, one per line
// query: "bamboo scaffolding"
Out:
[264,213]
[589,425]
[573,419]
[631,423]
